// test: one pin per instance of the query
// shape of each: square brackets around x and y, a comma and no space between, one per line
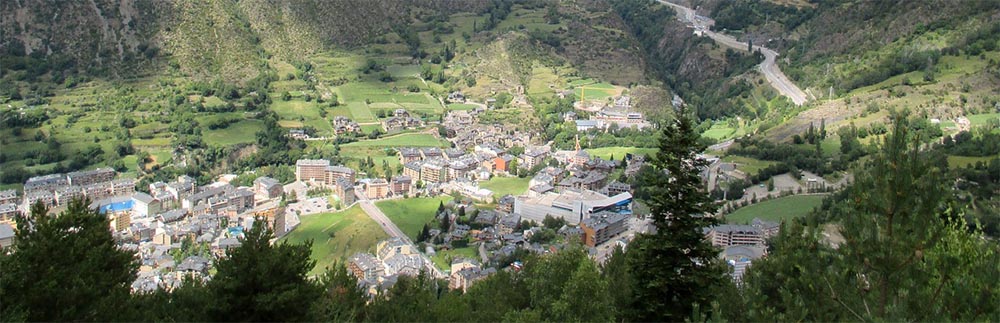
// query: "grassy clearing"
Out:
[442,259]
[748,165]
[619,152]
[966,161]
[410,215]
[241,132]
[404,140]
[506,185]
[336,236]
[597,91]
[777,209]
[719,131]
[981,119]
[461,106]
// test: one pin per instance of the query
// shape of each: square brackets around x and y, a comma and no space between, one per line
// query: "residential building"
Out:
[408,155]
[342,125]
[335,172]
[506,204]
[46,197]
[602,226]
[734,235]
[400,185]
[433,171]
[365,266]
[123,186]
[377,189]
[8,196]
[533,156]
[311,169]
[465,272]
[241,199]
[404,264]
[89,177]
[345,190]
[6,235]
[8,211]
[508,223]
[501,163]
[393,246]
[431,152]
[143,204]
[267,187]
[44,183]
[412,169]
[615,188]
[203,196]
[67,193]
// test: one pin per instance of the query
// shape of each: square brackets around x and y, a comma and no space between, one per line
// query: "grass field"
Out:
[597,91]
[404,140]
[748,165]
[619,152]
[777,209]
[981,119]
[506,185]
[352,231]
[241,132]
[719,131]
[461,106]
[410,215]
[442,259]
[965,161]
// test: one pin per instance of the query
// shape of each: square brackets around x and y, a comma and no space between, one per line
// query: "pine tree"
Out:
[675,268]
[263,282]
[66,268]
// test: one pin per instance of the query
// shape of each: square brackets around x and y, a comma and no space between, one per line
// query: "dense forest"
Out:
[908,254]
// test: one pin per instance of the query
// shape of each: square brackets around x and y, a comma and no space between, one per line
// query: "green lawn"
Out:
[619,152]
[719,131]
[748,165]
[241,132]
[404,140]
[598,91]
[506,185]
[777,209]
[981,119]
[965,161]
[410,215]
[461,106]
[353,231]
[442,259]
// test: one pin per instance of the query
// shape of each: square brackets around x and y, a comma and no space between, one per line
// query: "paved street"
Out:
[774,76]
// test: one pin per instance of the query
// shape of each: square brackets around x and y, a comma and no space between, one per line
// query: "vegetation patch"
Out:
[506,185]
[336,236]
[777,210]
[410,215]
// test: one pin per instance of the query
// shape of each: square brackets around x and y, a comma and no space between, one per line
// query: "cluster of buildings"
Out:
[464,131]
[619,114]
[342,180]
[393,257]
[435,167]
[154,224]
[343,125]
[742,243]
[401,120]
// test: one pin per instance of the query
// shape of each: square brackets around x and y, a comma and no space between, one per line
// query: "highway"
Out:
[774,76]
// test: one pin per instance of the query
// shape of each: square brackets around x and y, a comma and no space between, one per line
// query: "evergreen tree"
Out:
[66,268]
[675,268]
[342,300]
[263,282]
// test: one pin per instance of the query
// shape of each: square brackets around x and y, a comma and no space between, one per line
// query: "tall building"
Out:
[602,226]
[335,172]
[311,169]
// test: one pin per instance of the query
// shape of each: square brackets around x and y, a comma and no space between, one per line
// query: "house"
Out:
[487,217]
[342,125]
[401,120]
[297,134]
[143,204]
[267,187]
[502,163]
[466,272]
[602,226]
[506,204]
[456,97]
[377,189]
[584,125]
[508,224]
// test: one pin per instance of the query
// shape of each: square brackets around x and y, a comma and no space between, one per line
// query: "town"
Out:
[179,228]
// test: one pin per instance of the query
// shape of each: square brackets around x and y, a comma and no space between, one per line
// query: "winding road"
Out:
[774,76]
